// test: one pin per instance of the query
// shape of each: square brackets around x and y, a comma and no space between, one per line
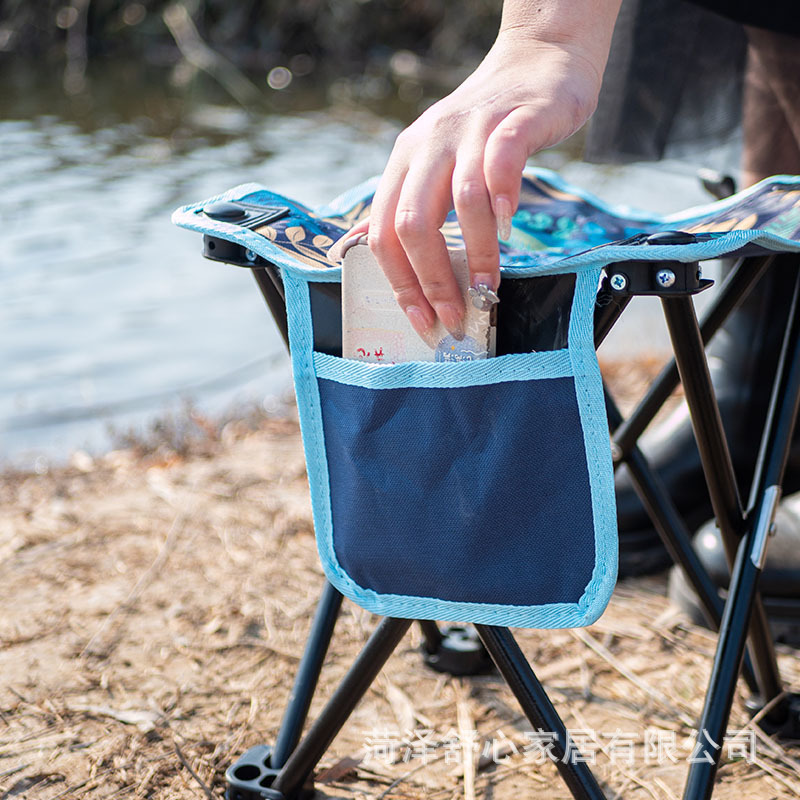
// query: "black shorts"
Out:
[781,16]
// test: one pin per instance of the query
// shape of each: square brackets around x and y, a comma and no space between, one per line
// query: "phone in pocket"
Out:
[375,329]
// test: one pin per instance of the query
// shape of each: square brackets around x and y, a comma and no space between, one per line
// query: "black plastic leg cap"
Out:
[460,652]
[250,777]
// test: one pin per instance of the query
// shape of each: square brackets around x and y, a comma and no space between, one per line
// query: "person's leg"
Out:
[771,106]
[743,354]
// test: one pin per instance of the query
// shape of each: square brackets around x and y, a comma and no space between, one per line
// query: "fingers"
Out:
[408,210]
[477,221]
[420,186]
[386,246]
[520,134]
[422,206]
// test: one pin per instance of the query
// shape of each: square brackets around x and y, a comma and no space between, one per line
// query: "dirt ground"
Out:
[155,606]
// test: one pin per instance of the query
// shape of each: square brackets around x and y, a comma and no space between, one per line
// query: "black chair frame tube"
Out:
[675,536]
[308,672]
[718,469]
[650,488]
[359,678]
[541,713]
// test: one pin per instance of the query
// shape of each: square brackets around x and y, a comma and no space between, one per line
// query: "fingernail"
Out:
[419,322]
[485,279]
[503,214]
[452,318]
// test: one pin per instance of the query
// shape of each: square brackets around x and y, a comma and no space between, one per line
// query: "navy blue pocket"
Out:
[477,491]
[473,494]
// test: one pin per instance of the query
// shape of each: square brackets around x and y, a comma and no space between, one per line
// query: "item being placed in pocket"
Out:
[375,329]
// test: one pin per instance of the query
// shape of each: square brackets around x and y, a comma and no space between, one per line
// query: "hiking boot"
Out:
[779,582]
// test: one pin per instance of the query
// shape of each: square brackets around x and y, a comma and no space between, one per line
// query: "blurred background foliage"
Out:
[306,37]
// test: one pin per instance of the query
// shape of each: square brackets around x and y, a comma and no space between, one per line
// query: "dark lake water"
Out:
[109,316]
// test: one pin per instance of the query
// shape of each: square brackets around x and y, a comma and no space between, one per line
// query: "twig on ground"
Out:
[613,661]
[664,788]
[209,794]
[466,733]
[14,770]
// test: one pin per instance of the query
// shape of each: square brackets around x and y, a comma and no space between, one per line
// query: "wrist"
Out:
[580,27]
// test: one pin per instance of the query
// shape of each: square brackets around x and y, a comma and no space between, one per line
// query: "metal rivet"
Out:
[616,452]
[671,237]
[251,256]
[619,282]
[665,278]
[223,210]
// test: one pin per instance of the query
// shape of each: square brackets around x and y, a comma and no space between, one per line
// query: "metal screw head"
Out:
[251,256]
[619,282]
[665,278]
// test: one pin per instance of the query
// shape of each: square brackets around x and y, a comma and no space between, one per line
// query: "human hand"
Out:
[468,152]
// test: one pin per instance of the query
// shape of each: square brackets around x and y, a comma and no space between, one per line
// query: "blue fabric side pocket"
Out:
[474,492]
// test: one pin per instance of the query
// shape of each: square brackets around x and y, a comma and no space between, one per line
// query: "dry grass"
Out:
[154,609]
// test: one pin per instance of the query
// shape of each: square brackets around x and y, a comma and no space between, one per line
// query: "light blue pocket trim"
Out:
[554,615]
[422,374]
[594,421]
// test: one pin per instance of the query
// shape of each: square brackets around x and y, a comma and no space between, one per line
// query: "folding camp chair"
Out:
[559,232]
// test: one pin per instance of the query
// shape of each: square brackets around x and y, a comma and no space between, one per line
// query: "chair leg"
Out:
[354,685]
[653,493]
[516,670]
[743,591]
[431,633]
[308,672]
[672,530]
[718,469]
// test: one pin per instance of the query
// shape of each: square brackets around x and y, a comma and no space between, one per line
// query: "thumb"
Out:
[337,249]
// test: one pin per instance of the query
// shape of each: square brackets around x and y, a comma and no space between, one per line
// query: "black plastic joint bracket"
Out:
[243,215]
[656,278]
[217,249]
